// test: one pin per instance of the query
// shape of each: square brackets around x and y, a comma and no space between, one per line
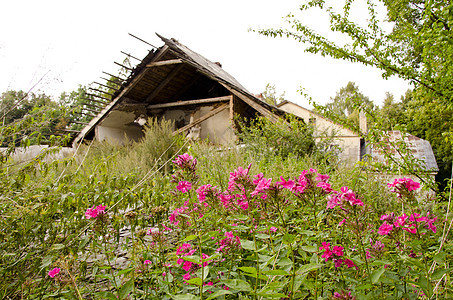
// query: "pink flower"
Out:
[286,184]
[349,263]
[185,159]
[342,222]
[262,185]
[273,229]
[54,272]
[385,228]
[337,250]
[147,262]
[95,211]
[184,186]
[186,276]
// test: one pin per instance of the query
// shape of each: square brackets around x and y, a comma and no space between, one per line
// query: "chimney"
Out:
[362,123]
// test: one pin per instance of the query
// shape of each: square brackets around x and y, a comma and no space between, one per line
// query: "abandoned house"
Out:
[178,84]
[350,143]
[353,147]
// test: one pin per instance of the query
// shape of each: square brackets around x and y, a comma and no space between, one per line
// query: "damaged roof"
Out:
[175,73]
[420,149]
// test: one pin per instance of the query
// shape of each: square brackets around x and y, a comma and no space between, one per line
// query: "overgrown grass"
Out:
[44,226]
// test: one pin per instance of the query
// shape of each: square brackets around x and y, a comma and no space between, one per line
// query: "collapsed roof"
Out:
[175,76]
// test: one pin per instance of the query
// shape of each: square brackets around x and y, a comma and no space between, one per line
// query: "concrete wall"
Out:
[119,127]
[347,140]
[218,128]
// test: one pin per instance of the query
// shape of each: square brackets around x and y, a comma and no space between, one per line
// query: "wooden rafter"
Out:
[164,83]
[165,63]
[202,118]
[110,106]
[190,102]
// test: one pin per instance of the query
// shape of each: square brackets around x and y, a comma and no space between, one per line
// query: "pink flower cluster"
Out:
[336,254]
[93,212]
[403,184]
[188,266]
[54,272]
[407,223]
[345,196]
[185,160]
[305,181]
[343,295]
[230,242]
[239,179]
[184,186]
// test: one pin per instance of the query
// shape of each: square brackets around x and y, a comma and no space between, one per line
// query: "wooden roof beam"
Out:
[164,63]
[190,102]
[164,83]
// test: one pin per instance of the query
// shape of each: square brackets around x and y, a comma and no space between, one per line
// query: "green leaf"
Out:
[184,297]
[308,268]
[440,257]
[205,272]
[237,284]
[189,238]
[195,281]
[377,274]
[439,273]
[248,245]
[251,270]
[126,289]
[193,258]
[46,261]
[219,293]
[289,238]
[57,246]
[309,248]
[276,272]
[124,271]
[262,236]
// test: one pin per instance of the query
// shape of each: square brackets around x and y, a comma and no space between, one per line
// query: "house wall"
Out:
[119,127]
[347,140]
[218,128]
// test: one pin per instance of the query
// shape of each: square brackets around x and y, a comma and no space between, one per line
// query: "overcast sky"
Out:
[72,42]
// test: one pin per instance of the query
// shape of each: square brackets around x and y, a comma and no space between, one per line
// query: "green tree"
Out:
[29,116]
[419,48]
[344,105]
[270,95]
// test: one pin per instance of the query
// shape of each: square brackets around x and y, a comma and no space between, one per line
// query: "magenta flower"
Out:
[93,212]
[385,228]
[273,229]
[337,250]
[184,159]
[186,276]
[147,262]
[54,272]
[184,186]
[286,184]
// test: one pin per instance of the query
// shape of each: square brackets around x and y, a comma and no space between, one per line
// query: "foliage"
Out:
[343,104]
[28,118]
[282,139]
[418,48]
[270,95]
[426,118]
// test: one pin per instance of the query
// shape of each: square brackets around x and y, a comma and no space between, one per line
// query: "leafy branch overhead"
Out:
[419,47]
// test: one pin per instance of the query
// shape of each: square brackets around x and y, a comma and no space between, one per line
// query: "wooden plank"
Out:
[164,83]
[190,102]
[92,105]
[232,110]
[110,106]
[164,63]
[201,119]
[262,110]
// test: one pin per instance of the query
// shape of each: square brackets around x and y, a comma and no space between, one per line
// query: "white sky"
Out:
[72,42]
